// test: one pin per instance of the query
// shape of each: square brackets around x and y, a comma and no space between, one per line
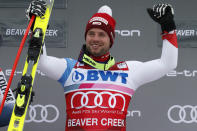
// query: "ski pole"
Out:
[16,61]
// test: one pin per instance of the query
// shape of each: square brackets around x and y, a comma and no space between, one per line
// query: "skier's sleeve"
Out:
[155,69]
[52,67]
[56,68]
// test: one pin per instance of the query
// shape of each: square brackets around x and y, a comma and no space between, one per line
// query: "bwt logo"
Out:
[93,75]
[128,33]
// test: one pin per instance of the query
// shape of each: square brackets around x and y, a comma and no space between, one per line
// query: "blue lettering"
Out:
[124,75]
[107,75]
[92,75]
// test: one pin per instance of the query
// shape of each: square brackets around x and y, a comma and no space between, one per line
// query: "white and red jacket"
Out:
[97,99]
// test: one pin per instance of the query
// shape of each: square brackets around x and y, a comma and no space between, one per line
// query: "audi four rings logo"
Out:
[99,96]
[185,114]
[39,113]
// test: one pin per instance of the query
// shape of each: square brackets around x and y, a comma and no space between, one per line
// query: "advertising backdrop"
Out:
[168,104]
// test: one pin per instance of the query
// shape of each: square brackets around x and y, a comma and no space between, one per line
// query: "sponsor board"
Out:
[12,31]
[186,34]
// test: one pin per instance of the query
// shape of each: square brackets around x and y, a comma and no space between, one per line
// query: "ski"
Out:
[24,89]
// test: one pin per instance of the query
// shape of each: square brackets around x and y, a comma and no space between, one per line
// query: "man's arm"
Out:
[52,67]
[155,69]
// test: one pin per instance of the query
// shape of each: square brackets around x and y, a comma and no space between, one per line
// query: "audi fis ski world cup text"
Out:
[98,102]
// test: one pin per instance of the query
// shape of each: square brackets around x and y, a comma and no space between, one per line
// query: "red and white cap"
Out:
[103,19]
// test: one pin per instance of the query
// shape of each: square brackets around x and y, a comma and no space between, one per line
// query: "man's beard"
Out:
[100,53]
